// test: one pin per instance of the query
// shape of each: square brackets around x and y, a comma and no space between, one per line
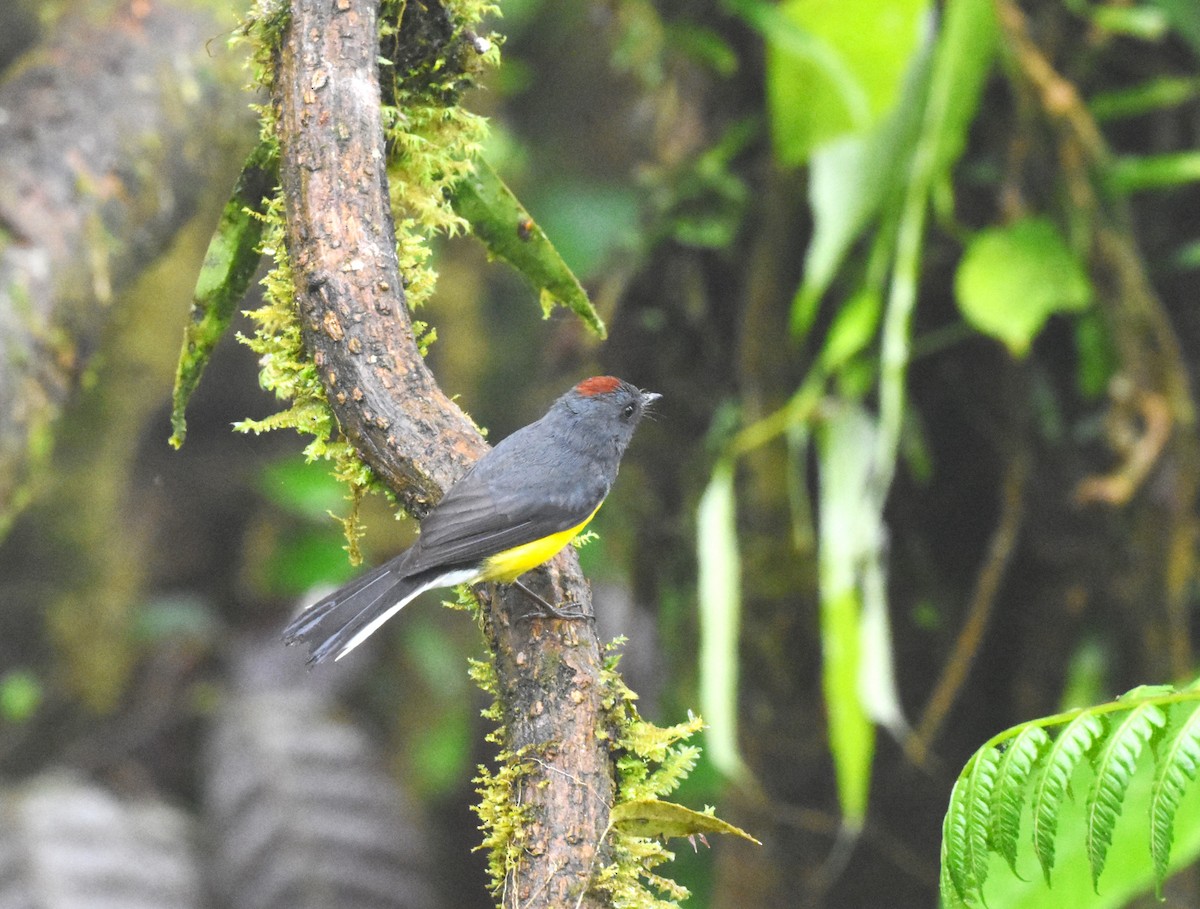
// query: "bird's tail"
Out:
[334,626]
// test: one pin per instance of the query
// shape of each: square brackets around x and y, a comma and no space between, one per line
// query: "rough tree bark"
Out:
[106,149]
[341,242]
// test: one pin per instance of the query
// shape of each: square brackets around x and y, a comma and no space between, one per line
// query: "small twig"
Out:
[1141,453]
[983,600]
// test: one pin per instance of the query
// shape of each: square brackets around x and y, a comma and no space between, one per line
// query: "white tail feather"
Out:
[449,579]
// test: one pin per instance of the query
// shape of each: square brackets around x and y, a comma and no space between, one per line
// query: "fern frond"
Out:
[1178,760]
[955,842]
[965,831]
[982,785]
[1031,767]
[1008,798]
[1115,766]
[951,898]
[1063,756]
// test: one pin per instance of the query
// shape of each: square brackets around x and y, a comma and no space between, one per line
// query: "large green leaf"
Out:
[833,66]
[1013,278]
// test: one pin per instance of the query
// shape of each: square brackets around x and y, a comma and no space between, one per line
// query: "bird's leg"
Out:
[568,611]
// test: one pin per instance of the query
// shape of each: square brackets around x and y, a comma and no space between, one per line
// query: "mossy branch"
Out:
[341,255]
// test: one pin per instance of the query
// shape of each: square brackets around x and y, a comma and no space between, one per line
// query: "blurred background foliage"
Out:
[917,284]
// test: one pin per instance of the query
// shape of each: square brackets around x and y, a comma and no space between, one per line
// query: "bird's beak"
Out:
[649,397]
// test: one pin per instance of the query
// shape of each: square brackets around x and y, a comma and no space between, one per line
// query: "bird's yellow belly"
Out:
[509,565]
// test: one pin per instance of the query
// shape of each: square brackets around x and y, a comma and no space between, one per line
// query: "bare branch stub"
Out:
[341,242]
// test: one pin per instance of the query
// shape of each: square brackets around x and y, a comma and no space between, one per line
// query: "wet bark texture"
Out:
[341,242]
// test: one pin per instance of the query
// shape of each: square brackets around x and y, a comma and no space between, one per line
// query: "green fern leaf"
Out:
[955,849]
[1008,798]
[964,832]
[950,898]
[1178,761]
[1064,755]
[979,801]
[1115,766]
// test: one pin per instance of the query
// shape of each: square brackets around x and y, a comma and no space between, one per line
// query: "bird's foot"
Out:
[569,611]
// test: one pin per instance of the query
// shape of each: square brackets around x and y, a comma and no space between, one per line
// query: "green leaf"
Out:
[656,818]
[853,329]
[1129,870]
[1134,174]
[850,537]
[980,788]
[965,828]
[1115,766]
[1177,764]
[967,47]
[1008,798]
[1094,353]
[720,603]
[1114,735]
[509,233]
[832,67]
[1075,741]
[1144,23]
[1144,98]
[949,896]
[229,265]
[1185,20]
[1013,278]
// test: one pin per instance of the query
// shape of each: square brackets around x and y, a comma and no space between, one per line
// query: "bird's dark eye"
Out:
[628,411]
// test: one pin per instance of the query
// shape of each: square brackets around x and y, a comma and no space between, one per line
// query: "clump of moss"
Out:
[503,820]
[433,54]
[432,143]
[651,762]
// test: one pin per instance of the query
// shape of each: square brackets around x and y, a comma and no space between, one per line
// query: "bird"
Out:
[514,509]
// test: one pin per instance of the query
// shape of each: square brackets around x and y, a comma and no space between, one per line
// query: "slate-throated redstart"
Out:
[514,509]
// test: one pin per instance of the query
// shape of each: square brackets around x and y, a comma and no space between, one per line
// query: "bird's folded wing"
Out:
[475,521]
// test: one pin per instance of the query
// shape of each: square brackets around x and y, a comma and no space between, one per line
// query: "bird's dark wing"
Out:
[480,517]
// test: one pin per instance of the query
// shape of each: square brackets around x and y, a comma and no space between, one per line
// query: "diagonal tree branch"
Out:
[341,243]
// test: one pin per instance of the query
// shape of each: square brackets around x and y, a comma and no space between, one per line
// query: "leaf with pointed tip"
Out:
[229,265]
[1016,766]
[509,233]
[1178,761]
[1064,755]
[1115,766]
[654,817]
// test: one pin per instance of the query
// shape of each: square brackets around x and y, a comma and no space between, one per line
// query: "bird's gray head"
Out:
[600,414]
